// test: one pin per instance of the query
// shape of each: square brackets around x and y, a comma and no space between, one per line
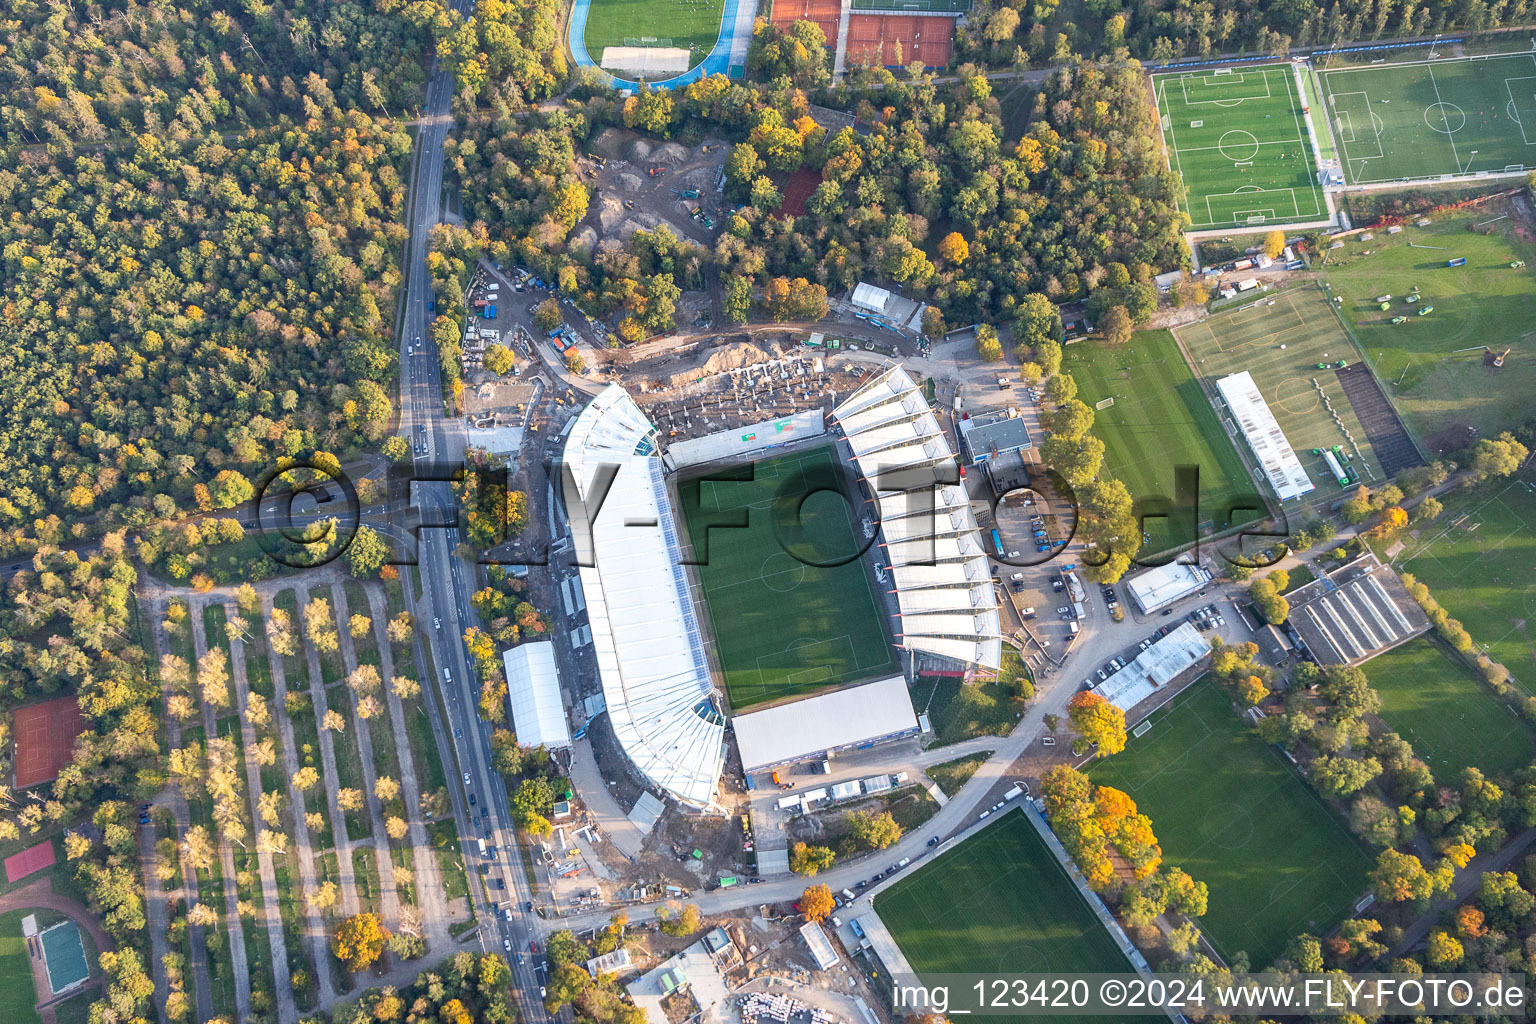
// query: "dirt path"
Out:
[238,961]
[314,926]
[389,893]
[429,879]
[346,883]
[270,916]
[197,966]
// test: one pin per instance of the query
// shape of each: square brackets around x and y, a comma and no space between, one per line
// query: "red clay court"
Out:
[876,39]
[45,738]
[32,859]
[823,12]
[797,189]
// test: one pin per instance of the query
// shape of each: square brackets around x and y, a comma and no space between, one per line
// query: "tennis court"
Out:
[788,595]
[1427,118]
[1281,339]
[1154,420]
[1238,138]
[65,955]
[929,6]
[45,739]
[1229,810]
[998,903]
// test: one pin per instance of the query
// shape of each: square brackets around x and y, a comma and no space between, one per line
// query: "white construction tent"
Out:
[943,583]
[870,297]
[1155,667]
[533,691]
[817,726]
[1286,473]
[645,631]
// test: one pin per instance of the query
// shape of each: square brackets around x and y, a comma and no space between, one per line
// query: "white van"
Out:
[848,895]
[447,676]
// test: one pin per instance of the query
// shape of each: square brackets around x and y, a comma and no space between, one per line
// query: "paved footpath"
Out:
[347,885]
[389,893]
[238,961]
[429,879]
[314,925]
[287,1010]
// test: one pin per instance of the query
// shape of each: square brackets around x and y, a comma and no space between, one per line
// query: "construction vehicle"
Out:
[656,170]
[691,193]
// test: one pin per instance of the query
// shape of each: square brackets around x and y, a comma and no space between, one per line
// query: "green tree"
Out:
[808,860]
[367,553]
[872,831]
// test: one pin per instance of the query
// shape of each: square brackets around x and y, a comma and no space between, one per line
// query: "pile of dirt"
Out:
[726,358]
[608,143]
[639,151]
[669,153]
[584,238]
[628,181]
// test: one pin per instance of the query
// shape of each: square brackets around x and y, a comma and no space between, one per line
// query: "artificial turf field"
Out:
[1160,420]
[18,996]
[1435,365]
[789,599]
[1449,715]
[998,903]
[1250,338]
[1228,809]
[1422,119]
[1237,138]
[686,24]
[1479,568]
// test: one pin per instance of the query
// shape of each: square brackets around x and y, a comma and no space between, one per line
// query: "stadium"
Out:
[788,572]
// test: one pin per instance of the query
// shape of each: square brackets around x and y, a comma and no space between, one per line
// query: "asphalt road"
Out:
[444,611]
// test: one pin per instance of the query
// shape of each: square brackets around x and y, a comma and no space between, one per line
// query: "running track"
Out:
[717,62]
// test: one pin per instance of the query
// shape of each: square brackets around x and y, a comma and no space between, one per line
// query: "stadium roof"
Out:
[1286,473]
[650,650]
[943,582]
[1155,667]
[842,718]
[1354,613]
[533,691]
[1160,587]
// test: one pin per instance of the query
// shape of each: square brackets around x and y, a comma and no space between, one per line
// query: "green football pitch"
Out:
[1238,139]
[1280,339]
[998,903]
[1432,699]
[1475,559]
[788,595]
[18,996]
[1229,810]
[692,25]
[1154,419]
[1423,119]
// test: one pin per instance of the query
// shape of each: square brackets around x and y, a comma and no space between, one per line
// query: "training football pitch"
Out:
[1239,140]
[1476,559]
[1229,810]
[1423,119]
[1453,720]
[1280,338]
[1159,420]
[790,604]
[692,25]
[998,903]
[1437,367]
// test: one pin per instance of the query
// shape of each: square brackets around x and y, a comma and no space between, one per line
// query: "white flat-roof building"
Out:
[1155,667]
[867,296]
[820,946]
[943,582]
[645,631]
[816,726]
[533,691]
[1286,473]
[1159,587]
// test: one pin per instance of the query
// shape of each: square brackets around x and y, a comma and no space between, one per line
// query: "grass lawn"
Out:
[1280,340]
[997,903]
[18,996]
[952,775]
[1474,566]
[960,712]
[1228,809]
[689,24]
[1238,139]
[1422,119]
[1440,387]
[1161,421]
[1449,715]
[788,595]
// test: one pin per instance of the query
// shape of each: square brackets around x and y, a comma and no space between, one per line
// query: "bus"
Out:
[1336,469]
[997,543]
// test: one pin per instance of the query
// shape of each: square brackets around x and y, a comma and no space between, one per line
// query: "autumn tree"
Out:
[1100,722]
[359,941]
[816,903]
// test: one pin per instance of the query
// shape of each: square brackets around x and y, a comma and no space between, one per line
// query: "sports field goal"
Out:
[1104,403]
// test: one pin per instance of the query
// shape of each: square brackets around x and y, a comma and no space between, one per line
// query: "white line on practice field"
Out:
[1450,136]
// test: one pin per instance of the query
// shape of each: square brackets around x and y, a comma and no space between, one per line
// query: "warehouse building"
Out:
[818,726]
[1156,667]
[1354,613]
[533,691]
[1160,587]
